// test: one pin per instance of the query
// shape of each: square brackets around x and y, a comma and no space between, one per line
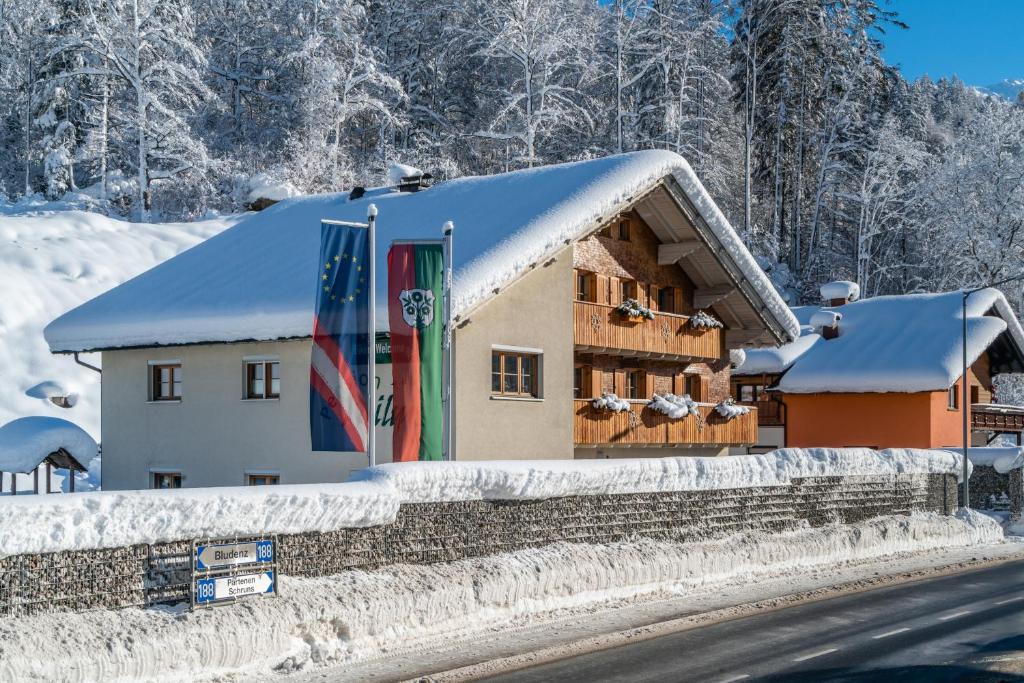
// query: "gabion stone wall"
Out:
[426,533]
[987,486]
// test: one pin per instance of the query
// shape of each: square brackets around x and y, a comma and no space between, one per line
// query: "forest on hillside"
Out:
[827,161]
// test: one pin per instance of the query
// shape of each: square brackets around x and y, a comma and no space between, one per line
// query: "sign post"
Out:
[225,571]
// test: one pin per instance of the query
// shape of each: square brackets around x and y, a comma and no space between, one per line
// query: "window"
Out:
[667,299]
[515,374]
[747,393]
[262,379]
[262,479]
[586,289]
[634,384]
[167,480]
[975,394]
[581,380]
[953,398]
[166,382]
[628,289]
[623,229]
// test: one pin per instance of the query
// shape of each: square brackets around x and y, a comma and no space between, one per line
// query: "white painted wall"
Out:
[214,436]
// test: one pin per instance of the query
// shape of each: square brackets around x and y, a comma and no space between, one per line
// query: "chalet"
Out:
[572,282]
[885,372]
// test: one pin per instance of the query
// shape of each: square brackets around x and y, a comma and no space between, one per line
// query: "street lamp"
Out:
[963,378]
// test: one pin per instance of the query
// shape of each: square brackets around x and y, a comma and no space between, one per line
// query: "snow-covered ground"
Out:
[53,258]
[358,616]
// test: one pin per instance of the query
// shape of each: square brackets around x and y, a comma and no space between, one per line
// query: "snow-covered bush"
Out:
[675,406]
[730,409]
[611,402]
[704,321]
[632,308]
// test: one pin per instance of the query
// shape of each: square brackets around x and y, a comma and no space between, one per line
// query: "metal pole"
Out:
[371,379]
[963,407]
[446,392]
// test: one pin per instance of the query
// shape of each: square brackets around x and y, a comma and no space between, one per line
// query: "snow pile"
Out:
[118,518]
[358,615]
[52,260]
[631,308]
[27,441]
[840,289]
[262,186]
[737,357]
[822,319]
[110,519]
[704,321]
[676,407]
[255,278]
[396,172]
[611,402]
[1003,458]
[906,343]
[730,409]
[420,482]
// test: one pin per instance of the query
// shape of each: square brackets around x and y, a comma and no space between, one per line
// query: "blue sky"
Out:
[978,40]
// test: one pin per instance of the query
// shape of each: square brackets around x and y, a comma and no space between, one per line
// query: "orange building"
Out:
[885,372]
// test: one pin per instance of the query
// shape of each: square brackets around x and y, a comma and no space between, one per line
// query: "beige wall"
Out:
[610,452]
[213,436]
[534,312]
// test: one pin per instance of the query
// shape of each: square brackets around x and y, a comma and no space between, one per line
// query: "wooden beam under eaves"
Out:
[709,296]
[673,252]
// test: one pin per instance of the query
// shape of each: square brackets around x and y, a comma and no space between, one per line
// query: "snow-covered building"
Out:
[572,283]
[885,372]
[37,447]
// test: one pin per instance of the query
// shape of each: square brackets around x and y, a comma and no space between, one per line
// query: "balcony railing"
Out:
[988,417]
[642,426]
[601,328]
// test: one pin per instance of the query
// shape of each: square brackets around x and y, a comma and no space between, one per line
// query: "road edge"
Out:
[613,639]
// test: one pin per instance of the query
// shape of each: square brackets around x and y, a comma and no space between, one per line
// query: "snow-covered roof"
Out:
[255,280]
[902,343]
[28,441]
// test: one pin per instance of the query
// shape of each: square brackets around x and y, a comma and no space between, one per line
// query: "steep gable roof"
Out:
[255,280]
[902,343]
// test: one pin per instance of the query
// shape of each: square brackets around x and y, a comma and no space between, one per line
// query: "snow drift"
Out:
[358,615]
[111,519]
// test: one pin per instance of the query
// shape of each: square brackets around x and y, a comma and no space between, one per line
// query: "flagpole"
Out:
[446,392]
[371,379]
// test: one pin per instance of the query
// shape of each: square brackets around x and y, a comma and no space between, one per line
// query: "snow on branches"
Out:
[611,403]
[631,308]
[702,320]
[729,409]
[674,406]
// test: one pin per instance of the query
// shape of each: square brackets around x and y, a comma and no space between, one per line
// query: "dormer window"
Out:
[622,230]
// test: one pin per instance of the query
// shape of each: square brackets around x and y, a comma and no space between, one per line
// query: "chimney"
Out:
[840,292]
[826,323]
[408,178]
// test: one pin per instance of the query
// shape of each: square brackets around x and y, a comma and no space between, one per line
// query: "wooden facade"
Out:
[599,327]
[641,426]
[636,358]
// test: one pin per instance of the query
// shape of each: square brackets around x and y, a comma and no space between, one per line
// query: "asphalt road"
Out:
[962,627]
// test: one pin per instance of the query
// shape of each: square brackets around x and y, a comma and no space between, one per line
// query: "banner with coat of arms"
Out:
[415,282]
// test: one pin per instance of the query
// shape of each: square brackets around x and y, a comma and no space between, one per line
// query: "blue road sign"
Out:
[231,554]
[218,588]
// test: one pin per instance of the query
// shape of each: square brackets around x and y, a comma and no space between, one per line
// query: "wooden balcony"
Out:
[600,328]
[988,417]
[641,426]
[769,413]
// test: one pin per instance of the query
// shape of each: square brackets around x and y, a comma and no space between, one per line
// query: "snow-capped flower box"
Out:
[674,406]
[702,320]
[611,403]
[634,311]
[730,409]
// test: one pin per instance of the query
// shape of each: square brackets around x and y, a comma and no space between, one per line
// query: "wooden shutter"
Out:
[614,291]
[602,289]
[679,384]
[648,384]
[619,383]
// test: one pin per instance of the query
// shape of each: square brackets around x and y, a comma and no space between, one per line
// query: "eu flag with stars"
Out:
[340,361]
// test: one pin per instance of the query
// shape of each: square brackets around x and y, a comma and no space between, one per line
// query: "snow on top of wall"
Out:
[51,260]
[27,441]
[901,343]
[116,518]
[256,280]
[840,289]
[1002,458]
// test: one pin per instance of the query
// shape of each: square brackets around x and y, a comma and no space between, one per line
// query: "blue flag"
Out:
[340,365]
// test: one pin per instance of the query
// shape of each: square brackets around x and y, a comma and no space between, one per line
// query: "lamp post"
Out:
[964,401]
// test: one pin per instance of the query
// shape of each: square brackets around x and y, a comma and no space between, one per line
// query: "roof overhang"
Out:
[688,240]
